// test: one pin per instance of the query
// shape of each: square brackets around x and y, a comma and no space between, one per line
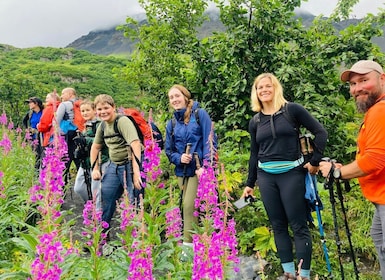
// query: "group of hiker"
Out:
[277,165]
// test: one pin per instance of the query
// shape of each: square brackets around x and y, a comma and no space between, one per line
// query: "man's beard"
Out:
[364,106]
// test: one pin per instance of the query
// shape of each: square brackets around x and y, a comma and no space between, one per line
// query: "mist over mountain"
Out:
[111,41]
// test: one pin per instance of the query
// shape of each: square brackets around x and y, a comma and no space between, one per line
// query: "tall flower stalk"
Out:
[215,243]
[48,195]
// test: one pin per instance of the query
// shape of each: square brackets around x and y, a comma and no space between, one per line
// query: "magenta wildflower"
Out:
[49,256]
[10,125]
[141,263]
[174,223]
[6,143]
[3,119]
[49,197]
[151,162]
[216,247]
[92,219]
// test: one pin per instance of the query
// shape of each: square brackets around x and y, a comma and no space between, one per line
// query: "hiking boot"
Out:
[287,276]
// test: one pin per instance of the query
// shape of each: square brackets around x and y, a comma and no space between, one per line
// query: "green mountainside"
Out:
[112,41]
[38,71]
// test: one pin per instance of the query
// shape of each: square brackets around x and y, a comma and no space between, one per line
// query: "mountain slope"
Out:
[111,41]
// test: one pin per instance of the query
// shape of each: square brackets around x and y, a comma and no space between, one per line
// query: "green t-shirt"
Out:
[118,146]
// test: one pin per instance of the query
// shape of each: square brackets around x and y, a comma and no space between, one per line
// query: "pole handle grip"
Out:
[188,148]
[197,162]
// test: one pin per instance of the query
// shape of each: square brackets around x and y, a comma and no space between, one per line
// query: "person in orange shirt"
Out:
[367,86]
[45,124]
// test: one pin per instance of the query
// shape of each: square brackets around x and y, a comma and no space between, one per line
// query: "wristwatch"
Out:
[337,173]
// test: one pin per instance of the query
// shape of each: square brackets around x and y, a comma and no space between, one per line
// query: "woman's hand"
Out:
[313,170]
[186,158]
[248,192]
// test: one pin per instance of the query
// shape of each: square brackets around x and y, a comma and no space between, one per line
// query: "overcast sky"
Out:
[57,23]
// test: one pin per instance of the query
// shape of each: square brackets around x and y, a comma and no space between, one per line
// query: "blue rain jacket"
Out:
[194,133]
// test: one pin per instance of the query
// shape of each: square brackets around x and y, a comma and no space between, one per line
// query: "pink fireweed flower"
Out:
[48,257]
[207,194]
[3,119]
[141,264]
[6,143]
[10,125]
[216,247]
[49,194]
[174,223]
[127,213]
[28,135]
[92,219]
[151,162]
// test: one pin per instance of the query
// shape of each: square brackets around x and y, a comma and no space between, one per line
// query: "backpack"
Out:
[144,130]
[78,120]
[306,144]
[77,123]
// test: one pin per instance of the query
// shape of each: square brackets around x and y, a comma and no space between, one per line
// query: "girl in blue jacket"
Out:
[190,125]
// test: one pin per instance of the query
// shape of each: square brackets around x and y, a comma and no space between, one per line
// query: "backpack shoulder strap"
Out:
[116,129]
[289,117]
[196,112]
[173,124]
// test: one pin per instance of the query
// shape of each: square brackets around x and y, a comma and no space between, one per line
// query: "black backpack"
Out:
[305,144]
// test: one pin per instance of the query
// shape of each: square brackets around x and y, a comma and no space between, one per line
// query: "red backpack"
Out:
[78,119]
[142,127]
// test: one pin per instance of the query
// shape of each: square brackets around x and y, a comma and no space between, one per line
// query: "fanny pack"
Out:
[278,167]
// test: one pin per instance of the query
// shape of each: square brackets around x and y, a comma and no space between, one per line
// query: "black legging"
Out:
[283,198]
[71,149]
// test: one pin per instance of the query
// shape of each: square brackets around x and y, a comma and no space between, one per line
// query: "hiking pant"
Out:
[377,232]
[189,195]
[285,204]
[80,186]
[112,185]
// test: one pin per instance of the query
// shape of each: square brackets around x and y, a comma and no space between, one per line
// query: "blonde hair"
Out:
[189,101]
[54,96]
[104,98]
[70,90]
[279,99]
[88,102]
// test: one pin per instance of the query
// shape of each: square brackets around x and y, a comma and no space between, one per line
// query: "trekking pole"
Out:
[320,223]
[329,180]
[101,175]
[347,230]
[87,179]
[197,162]
[184,181]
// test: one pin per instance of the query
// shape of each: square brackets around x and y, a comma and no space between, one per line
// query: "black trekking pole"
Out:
[101,175]
[184,181]
[347,230]
[329,181]
[87,179]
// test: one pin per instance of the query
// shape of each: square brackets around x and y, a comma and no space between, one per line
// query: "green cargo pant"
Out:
[189,195]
